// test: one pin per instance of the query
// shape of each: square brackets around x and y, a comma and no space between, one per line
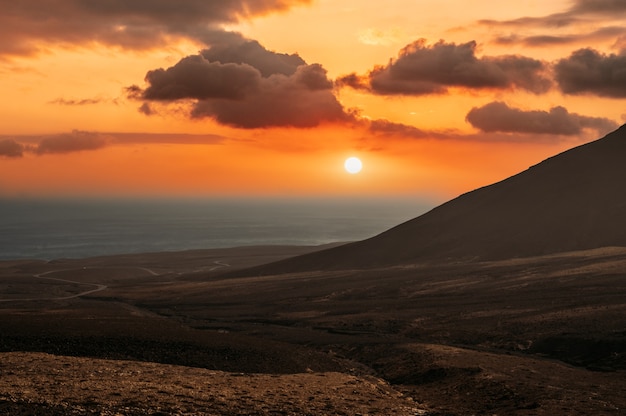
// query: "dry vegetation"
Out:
[175,334]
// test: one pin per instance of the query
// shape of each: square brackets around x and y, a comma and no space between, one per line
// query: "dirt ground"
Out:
[175,333]
[37,383]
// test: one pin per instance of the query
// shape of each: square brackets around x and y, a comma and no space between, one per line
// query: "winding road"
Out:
[218,265]
[96,287]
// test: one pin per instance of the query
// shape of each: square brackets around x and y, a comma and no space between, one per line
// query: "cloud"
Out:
[71,142]
[386,127]
[586,20]
[197,78]
[146,109]
[381,133]
[421,69]
[302,100]
[599,6]
[499,117]
[27,25]
[11,148]
[557,20]
[244,51]
[382,127]
[80,102]
[587,71]
[241,84]
[581,11]
[604,33]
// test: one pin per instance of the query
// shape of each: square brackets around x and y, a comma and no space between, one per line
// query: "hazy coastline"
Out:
[80,227]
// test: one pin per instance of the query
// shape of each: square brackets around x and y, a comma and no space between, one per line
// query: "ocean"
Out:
[77,228]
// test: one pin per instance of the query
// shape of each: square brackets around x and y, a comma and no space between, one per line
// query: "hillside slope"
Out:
[575,200]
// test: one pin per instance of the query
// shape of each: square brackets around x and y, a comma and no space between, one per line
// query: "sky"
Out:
[269,97]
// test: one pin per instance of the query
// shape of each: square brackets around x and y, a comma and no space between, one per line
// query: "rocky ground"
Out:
[43,384]
[174,333]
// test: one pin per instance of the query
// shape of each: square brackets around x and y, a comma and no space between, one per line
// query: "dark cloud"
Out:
[248,86]
[304,99]
[70,142]
[231,69]
[11,148]
[421,69]
[195,77]
[587,71]
[250,52]
[499,117]
[26,25]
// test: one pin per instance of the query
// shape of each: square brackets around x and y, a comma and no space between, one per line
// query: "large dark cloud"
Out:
[422,69]
[229,70]
[499,117]
[304,99]
[26,25]
[75,141]
[587,71]
[11,148]
[244,85]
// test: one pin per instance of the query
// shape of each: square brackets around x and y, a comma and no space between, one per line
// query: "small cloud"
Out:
[386,127]
[75,141]
[378,37]
[11,148]
[146,109]
[84,101]
[499,117]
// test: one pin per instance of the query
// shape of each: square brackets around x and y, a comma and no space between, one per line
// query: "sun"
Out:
[353,165]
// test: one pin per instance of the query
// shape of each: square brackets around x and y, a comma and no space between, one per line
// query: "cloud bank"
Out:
[27,25]
[75,141]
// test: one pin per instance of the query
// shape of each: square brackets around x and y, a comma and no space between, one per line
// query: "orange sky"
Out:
[251,97]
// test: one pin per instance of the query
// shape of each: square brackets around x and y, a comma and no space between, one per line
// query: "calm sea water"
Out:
[52,229]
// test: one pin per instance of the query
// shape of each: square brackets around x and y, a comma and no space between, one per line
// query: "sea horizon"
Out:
[74,227]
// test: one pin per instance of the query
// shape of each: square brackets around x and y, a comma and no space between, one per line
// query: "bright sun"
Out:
[353,165]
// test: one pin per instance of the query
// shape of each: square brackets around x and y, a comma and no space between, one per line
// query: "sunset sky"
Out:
[269,97]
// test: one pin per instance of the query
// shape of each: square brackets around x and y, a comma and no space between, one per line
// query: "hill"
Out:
[572,201]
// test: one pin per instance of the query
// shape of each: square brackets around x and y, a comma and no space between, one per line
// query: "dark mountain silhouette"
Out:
[573,201]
